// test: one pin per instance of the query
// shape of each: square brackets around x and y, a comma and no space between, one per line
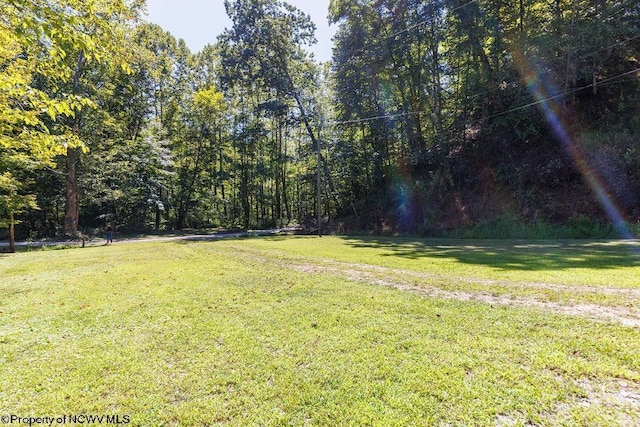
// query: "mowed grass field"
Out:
[327,331]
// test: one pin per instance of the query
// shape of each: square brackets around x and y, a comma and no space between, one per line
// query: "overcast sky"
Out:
[199,22]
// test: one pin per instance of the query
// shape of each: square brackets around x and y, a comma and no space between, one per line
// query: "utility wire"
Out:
[471,97]
[370,119]
[569,92]
[521,107]
[393,115]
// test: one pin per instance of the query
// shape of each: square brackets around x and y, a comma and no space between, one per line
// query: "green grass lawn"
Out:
[325,331]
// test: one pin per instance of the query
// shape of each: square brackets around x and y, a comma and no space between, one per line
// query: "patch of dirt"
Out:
[427,285]
[503,420]
[619,398]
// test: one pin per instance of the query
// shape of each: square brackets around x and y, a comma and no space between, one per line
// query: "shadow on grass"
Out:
[511,254]
[273,235]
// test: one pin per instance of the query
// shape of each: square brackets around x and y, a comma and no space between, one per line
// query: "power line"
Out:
[384,116]
[393,115]
[569,92]
[369,119]
[558,67]
[521,107]
[495,89]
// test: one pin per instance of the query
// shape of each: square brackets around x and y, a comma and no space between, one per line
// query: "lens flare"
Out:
[546,95]
[402,202]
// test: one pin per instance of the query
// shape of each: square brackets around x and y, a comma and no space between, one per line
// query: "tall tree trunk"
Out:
[224,198]
[181,216]
[278,161]
[472,28]
[315,142]
[436,80]
[244,192]
[570,71]
[12,234]
[158,218]
[72,210]
[284,185]
[187,193]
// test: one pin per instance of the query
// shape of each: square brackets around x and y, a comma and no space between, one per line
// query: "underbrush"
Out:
[508,227]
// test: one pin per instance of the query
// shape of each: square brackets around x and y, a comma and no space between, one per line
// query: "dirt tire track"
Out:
[426,285]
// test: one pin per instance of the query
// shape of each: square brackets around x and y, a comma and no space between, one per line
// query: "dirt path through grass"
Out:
[435,286]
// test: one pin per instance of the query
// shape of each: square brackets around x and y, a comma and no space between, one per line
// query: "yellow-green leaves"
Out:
[209,99]
[10,198]
[45,49]
[40,43]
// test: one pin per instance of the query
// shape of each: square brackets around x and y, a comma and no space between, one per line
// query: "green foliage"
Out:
[510,227]
[450,89]
[40,41]
[466,109]
[45,49]
[270,85]
[12,202]
[583,227]
[506,227]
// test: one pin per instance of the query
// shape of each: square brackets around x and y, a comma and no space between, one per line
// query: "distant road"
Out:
[101,241]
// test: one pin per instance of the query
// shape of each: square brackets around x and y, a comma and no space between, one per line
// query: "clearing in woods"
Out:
[325,331]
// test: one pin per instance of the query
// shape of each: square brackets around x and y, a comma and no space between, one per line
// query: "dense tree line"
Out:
[432,116]
[451,113]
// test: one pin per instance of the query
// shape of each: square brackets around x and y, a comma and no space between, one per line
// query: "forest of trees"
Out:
[433,116]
